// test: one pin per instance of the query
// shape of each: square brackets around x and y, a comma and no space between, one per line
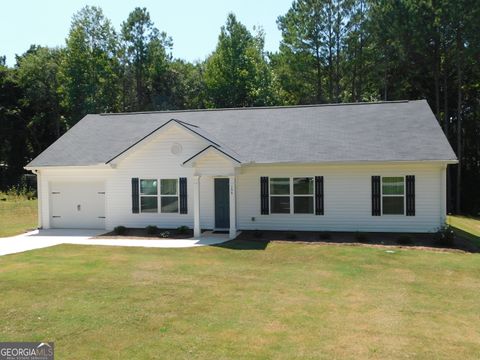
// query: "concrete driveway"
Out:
[38,239]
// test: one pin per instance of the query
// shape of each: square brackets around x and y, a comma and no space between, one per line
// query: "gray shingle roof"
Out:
[383,131]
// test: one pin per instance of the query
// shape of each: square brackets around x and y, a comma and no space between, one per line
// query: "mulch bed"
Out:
[387,240]
[141,234]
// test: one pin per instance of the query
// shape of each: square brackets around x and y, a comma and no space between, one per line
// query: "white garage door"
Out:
[77,205]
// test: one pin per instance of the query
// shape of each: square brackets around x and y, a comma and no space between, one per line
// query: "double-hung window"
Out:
[292,195]
[149,195]
[303,195]
[169,195]
[280,195]
[393,195]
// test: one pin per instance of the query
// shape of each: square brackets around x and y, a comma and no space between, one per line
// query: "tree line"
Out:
[331,51]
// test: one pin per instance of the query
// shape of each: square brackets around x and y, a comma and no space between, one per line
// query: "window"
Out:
[169,195]
[280,195]
[148,195]
[393,195]
[303,195]
[297,191]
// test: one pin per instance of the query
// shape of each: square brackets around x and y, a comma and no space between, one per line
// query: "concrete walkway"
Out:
[38,239]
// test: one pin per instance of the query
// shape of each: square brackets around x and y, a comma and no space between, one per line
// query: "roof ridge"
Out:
[260,107]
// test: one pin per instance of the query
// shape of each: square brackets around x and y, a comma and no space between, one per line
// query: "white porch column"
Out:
[233,215]
[196,207]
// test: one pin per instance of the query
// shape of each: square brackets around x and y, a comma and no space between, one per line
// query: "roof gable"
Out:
[191,129]
[211,149]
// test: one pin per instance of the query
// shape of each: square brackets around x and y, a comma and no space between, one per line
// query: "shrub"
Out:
[120,230]
[165,234]
[291,236]
[404,240]
[257,234]
[151,229]
[25,189]
[182,229]
[361,237]
[445,236]
[325,236]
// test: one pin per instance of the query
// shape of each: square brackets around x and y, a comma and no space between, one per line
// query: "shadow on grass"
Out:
[244,244]
[255,240]
[467,235]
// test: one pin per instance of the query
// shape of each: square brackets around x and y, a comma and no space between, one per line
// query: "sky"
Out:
[193,25]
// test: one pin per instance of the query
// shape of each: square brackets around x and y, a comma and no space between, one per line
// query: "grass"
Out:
[466,226]
[17,214]
[275,301]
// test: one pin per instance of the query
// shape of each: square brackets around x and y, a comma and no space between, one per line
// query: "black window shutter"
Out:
[135,196]
[410,191]
[264,208]
[376,196]
[319,195]
[183,196]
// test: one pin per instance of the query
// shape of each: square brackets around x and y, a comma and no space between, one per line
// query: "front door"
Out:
[222,204]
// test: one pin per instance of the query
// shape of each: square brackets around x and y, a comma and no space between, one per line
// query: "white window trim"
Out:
[158,195]
[291,195]
[392,195]
[140,195]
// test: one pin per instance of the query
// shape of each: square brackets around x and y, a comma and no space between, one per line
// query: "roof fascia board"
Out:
[358,162]
[70,167]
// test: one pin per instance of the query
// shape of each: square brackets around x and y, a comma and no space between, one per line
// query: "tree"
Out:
[14,150]
[303,39]
[187,86]
[90,79]
[37,74]
[237,73]
[146,60]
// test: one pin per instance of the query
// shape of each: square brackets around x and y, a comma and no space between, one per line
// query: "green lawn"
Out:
[17,215]
[466,226]
[285,301]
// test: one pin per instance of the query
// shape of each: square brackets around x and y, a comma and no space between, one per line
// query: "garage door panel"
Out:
[77,205]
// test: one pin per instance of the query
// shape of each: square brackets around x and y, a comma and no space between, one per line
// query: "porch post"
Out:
[233,215]
[196,207]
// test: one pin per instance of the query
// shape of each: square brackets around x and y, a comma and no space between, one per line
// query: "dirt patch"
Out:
[384,240]
[142,234]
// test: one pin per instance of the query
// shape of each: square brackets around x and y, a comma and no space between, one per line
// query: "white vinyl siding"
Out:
[347,198]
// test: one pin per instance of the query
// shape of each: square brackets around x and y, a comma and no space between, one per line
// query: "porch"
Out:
[221,165]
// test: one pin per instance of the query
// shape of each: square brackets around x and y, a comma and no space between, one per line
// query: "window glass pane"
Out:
[392,185]
[303,186]
[148,204]
[303,204]
[279,186]
[148,187]
[393,205]
[168,186]
[169,204]
[280,205]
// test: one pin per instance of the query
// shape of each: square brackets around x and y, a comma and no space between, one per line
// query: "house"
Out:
[341,167]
